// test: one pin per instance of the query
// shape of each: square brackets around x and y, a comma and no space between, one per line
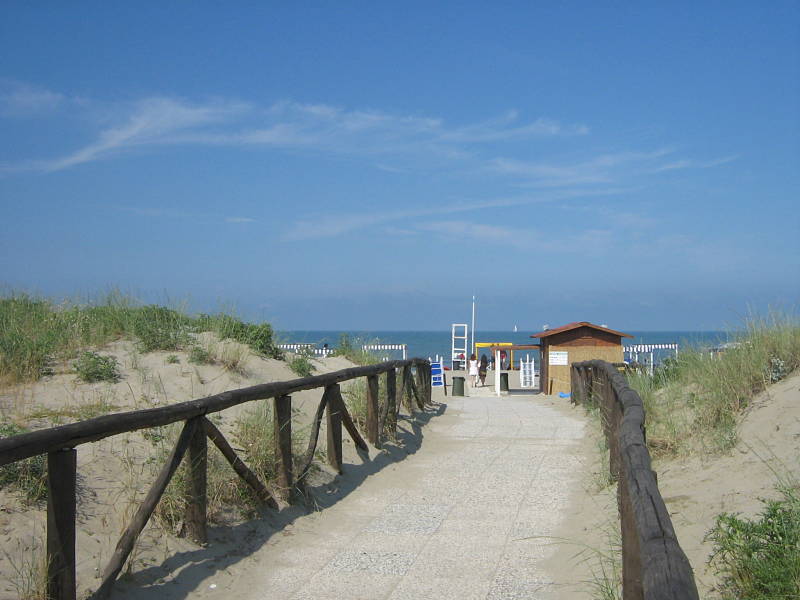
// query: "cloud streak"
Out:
[601,169]
[158,121]
[19,99]
[317,226]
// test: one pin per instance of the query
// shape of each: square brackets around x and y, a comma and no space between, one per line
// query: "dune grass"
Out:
[759,558]
[29,476]
[694,402]
[36,333]
[301,365]
[351,349]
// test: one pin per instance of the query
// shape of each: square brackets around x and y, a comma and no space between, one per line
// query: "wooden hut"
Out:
[575,342]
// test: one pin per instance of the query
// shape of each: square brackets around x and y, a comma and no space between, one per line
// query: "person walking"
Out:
[482,368]
[473,370]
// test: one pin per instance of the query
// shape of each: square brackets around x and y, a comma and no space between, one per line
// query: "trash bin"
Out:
[503,382]
[458,386]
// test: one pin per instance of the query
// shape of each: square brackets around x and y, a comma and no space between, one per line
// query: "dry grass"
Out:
[695,402]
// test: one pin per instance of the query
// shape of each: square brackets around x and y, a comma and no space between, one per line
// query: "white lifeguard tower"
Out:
[459,342]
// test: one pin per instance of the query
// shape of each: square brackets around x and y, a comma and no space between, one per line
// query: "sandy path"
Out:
[459,518]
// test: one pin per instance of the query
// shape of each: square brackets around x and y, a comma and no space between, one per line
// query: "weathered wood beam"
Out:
[283,446]
[405,390]
[308,459]
[32,443]
[347,420]
[135,527]
[197,491]
[61,504]
[261,491]
[415,392]
[372,411]
[654,565]
[389,418]
[334,430]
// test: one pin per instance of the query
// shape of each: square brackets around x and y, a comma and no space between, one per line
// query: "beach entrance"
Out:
[526,377]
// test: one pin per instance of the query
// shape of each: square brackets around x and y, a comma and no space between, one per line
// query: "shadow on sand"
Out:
[228,545]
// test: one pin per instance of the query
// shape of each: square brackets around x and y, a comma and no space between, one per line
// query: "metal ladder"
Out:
[459,345]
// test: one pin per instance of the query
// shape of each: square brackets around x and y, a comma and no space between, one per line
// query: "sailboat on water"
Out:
[515,329]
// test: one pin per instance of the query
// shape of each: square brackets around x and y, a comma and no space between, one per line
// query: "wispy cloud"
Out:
[601,169]
[600,240]
[18,99]
[480,232]
[323,128]
[153,121]
[694,164]
[325,225]
[163,213]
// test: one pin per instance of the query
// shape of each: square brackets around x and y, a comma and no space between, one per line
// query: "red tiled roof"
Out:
[575,325]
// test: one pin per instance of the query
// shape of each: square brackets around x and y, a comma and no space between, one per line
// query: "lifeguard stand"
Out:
[458,346]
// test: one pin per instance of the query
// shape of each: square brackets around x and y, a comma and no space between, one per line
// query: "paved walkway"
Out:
[460,518]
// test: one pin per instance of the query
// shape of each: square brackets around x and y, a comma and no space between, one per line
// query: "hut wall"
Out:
[558,376]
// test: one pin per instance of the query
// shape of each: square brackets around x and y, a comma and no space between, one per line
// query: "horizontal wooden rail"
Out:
[654,567]
[33,443]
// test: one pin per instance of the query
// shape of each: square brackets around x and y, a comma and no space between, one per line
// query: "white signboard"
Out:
[558,358]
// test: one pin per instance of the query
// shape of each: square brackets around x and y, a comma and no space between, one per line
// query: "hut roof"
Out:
[576,325]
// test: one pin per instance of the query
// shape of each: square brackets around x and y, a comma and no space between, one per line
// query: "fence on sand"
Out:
[654,567]
[59,444]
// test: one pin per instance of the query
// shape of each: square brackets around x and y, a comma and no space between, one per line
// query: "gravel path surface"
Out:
[467,516]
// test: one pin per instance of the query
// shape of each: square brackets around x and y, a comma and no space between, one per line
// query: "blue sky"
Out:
[371,166]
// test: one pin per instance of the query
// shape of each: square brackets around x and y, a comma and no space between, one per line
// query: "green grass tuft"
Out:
[301,365]
[92,367]
[759,559]
[29,476]
[200,356]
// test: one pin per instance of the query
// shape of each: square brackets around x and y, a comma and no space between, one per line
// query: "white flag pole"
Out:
[473,325]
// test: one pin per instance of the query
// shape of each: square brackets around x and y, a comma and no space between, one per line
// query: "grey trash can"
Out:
[458,386]
[503,382]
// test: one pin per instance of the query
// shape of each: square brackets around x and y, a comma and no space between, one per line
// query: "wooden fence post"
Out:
[334,430]
[421,385]
[372,410]
[632,588]
[405,391]
[391,401]
[615,421]
[283,445]
[574,387]
[428,384]
[61,477]
[197,492]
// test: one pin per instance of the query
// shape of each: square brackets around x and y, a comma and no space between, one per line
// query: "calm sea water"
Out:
[430,343]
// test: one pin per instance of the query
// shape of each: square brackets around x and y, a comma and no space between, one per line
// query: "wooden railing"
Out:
[654,567]
[59,444]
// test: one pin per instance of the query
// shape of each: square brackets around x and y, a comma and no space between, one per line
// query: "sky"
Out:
[363,165]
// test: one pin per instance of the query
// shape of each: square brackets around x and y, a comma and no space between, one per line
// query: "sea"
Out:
[430,344]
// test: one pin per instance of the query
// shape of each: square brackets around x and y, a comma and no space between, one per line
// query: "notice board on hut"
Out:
[575,342]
